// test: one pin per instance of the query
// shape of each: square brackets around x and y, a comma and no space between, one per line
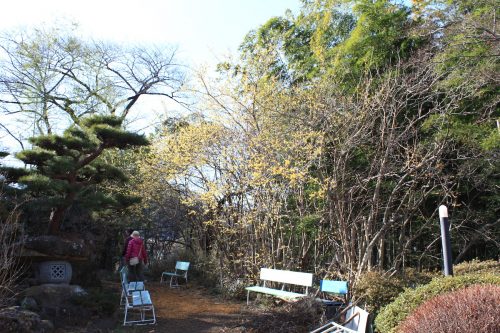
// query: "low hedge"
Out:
[470,309]
[393,314]
[476,266]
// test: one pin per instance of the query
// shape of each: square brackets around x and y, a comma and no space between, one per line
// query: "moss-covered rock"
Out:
[18,320]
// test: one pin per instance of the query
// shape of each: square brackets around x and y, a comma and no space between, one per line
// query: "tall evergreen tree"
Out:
[66,168]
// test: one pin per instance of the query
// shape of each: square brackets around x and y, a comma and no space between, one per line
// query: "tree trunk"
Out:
[56,217]
[57,214]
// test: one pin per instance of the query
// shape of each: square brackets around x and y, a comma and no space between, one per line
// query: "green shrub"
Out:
[99,301]
[476,266]
[470,309]
[377,289]
[393,314]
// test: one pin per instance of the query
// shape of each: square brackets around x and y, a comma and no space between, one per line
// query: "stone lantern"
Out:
[51,257]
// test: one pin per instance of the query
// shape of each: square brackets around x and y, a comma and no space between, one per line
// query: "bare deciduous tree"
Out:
[49,79]
[10,234]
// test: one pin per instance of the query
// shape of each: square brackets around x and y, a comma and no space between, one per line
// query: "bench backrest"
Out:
[123,276]
[124,284]
[182,265]
[334,287]
[277,275]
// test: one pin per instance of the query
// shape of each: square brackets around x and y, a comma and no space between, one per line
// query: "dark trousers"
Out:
[135,273]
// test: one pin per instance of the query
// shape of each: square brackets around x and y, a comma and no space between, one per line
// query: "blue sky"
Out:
[203,30]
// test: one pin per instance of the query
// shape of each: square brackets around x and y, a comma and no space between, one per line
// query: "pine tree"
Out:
[66,168]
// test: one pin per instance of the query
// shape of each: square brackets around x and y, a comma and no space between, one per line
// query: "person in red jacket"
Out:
[127,237]
[136,249]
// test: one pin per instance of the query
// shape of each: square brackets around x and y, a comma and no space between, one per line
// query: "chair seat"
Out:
[135,286]
[141,298]
[173,274]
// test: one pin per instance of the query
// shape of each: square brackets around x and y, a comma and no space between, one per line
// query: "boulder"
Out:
[17,320]
[54,295]
[59,303]
[56,247]
[29,303]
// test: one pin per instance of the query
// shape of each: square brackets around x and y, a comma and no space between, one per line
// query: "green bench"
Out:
[281,277]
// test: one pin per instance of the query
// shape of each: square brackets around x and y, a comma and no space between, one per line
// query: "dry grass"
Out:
[10,230]
[300,316]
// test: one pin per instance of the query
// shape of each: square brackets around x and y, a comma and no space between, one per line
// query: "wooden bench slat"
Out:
[275,292]
[283,276]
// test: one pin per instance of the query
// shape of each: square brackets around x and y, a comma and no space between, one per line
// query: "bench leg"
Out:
[248,295]
[143,317]
[125,316]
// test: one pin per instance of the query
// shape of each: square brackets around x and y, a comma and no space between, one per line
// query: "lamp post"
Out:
[445,240]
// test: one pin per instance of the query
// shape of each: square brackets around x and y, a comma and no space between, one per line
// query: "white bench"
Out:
[284,277]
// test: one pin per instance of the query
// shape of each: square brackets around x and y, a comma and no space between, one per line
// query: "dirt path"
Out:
[190,310]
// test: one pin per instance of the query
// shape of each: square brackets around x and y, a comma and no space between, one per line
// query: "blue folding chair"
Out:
[129,287]
[181,271]
[339,289]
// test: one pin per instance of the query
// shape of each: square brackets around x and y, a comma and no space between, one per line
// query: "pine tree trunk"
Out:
[55,220]
[57,214]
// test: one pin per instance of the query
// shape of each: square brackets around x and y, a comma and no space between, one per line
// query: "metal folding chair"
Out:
[140,304]
[181,271]
[356,322]
[129,287]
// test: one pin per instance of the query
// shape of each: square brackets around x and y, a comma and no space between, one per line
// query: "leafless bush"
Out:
[10,230]
[473,309]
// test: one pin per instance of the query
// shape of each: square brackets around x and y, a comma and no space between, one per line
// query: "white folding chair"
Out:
[356,322]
